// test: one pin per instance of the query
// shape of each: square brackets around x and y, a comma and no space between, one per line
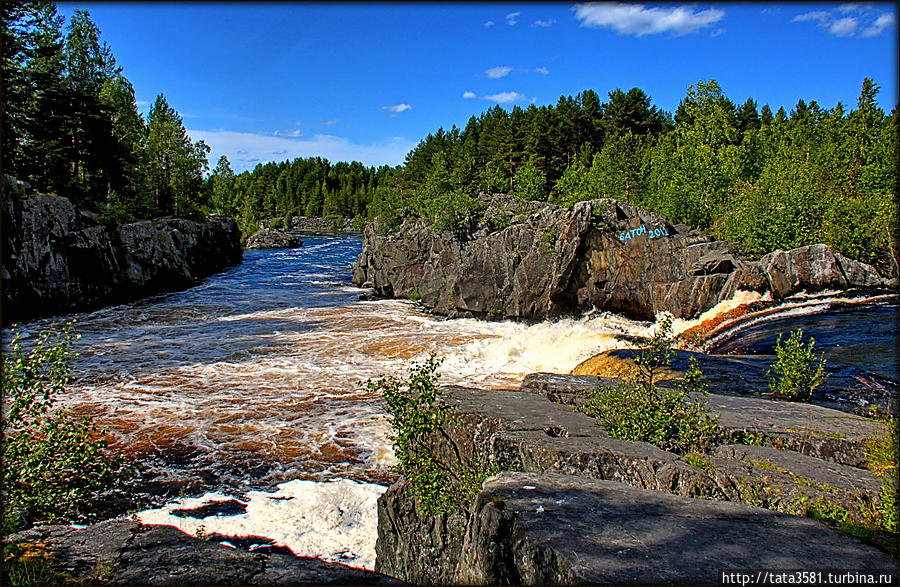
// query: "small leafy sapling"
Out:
[796,372]
[442,483]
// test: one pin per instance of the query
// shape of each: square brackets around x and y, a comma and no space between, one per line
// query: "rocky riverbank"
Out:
[535,260]
[574,505]
[56,260]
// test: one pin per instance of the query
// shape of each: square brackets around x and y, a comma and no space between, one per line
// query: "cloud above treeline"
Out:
[500,98]
[638,20]
[246,150]
[397,108]
[850,20]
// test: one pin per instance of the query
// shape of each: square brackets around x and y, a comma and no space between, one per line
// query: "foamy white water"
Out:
[333,520]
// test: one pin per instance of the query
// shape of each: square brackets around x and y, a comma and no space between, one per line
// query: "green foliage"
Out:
[454,211]
[56,464]
[574,186]
[760,181]
[71,124]
[29,563]
[639,410]
[698,460]
[529,183]
[796,373]
[883,460]
[442,484]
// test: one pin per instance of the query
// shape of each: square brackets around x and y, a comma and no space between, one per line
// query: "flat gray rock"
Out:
[532,528]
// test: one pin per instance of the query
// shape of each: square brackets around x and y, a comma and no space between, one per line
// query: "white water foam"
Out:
[335,520]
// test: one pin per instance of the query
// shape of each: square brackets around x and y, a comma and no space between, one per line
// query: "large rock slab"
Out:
[420,548]
[521,431]
[530,528]
[544,260]
[54,261]
[132,554]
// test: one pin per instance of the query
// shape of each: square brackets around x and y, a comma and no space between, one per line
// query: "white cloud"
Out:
[545,23]
[469,95]
[541,70]
[506,97]
[855,7]
[844,27]
[330,122]
[512,19]
[488,24]
[141,103]
[818,16]
[294,132]
[635,19]
[498,72]
[883,22]
[245,150]
[397,108]
[866,22]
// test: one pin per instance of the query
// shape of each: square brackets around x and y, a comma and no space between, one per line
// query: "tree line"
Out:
[71,126]
[759,179]
[303,187]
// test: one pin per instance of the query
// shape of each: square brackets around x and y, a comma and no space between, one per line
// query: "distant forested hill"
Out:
[760,179]
[763,180]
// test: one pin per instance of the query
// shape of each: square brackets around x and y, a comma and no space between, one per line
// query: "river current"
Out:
[250,385]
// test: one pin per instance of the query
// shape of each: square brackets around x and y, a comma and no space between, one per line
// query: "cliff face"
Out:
[55,262]
[533,260]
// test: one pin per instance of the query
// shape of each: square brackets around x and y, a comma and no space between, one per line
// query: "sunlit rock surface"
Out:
[535,260]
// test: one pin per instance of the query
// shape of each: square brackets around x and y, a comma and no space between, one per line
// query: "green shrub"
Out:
[796,373]
[639,410]
[882,459]
[55,463]
[417,418]
[454,211]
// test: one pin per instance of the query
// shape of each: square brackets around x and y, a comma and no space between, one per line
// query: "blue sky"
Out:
[274,81]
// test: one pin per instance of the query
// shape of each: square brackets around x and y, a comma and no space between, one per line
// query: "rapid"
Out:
[249,388]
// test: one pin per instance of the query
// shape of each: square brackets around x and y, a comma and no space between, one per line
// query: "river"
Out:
[248,387]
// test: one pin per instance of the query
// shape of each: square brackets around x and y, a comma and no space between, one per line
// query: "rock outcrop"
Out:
[272,238]
[55,260]
[312,224]
[532,260]
[574,505]
[123,552]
